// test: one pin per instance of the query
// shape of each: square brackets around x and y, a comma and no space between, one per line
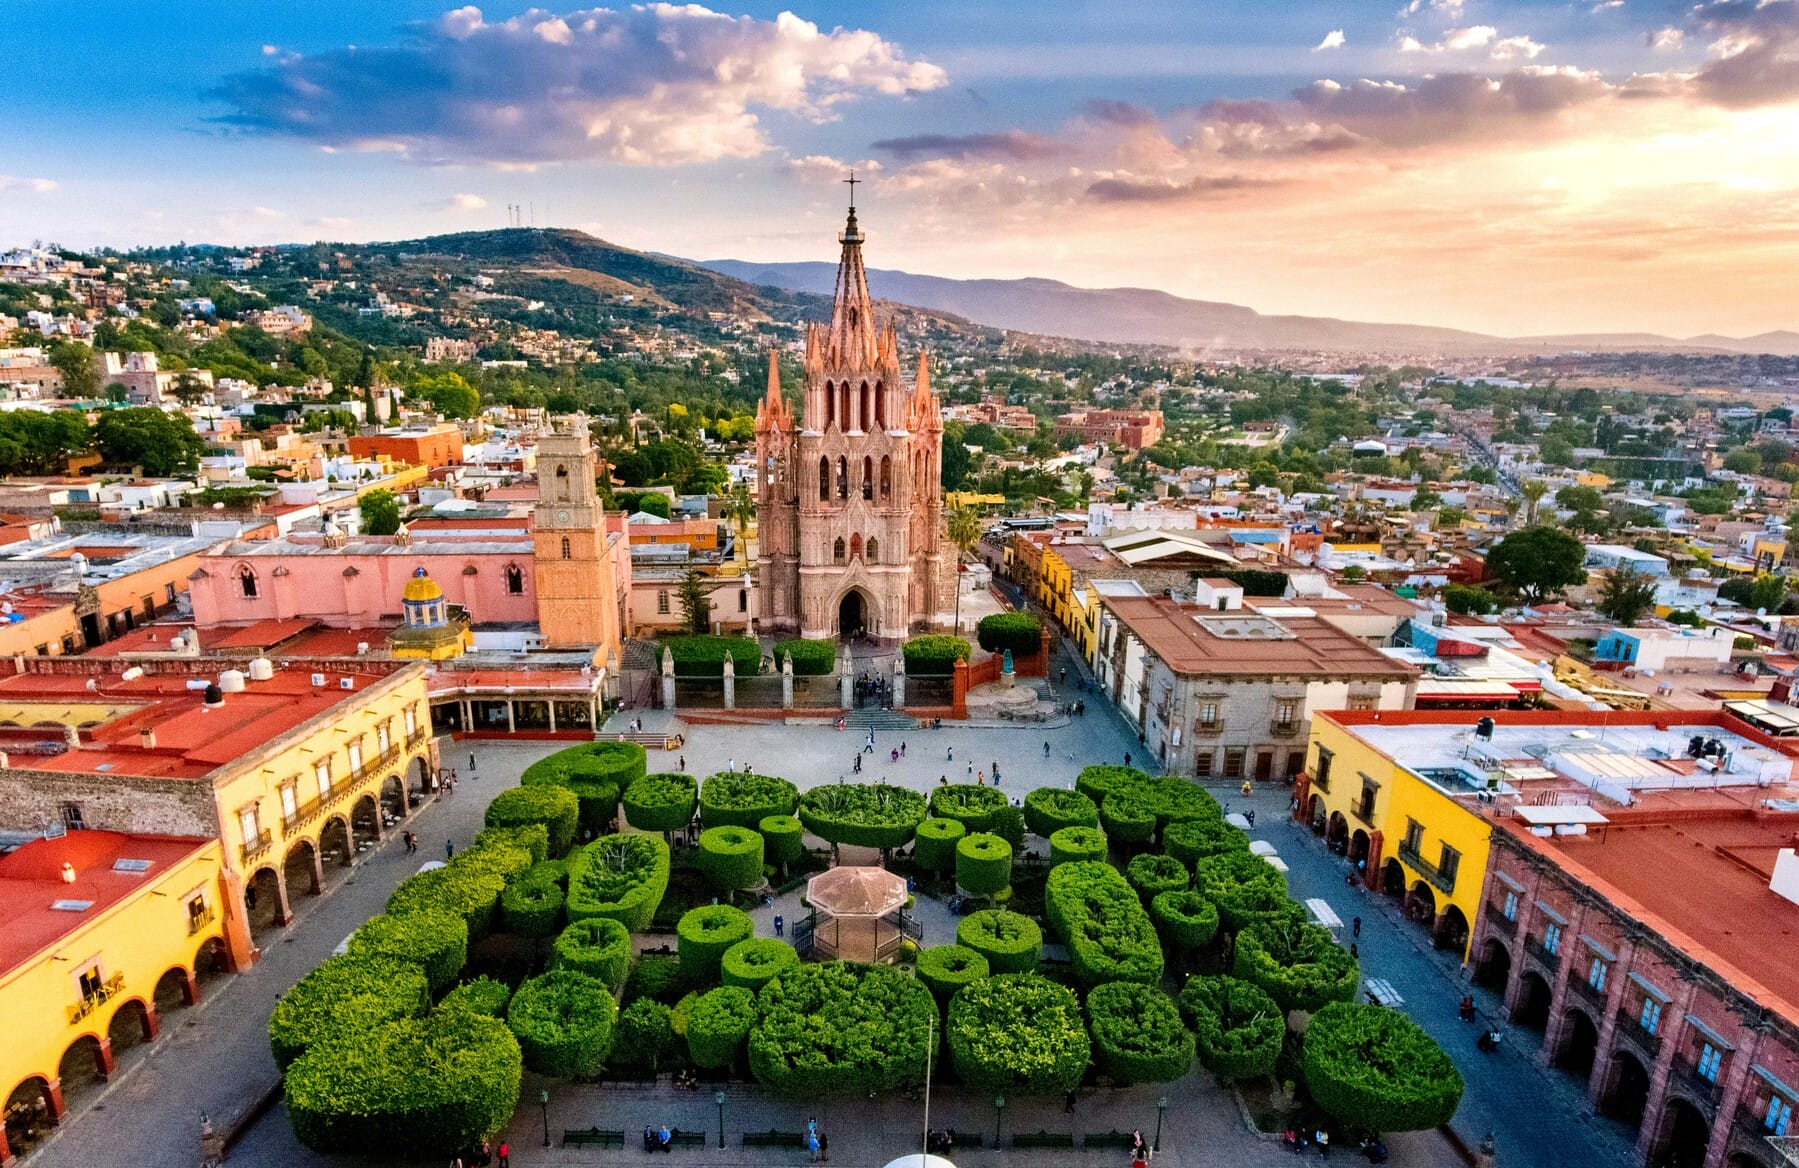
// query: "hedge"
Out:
[839,1028]
[556,808]
[656,976]
[564,1023]
[436,942]
[1151,875]
[661,802]
[500,848]
[1127,818]
[1192,840]
[732,798]
[704,934]
[1011,942]
[1237,1028]
[731,857]
[983,864]
[1072,844]
[1098,916]
[1168,799]
[596,772]
[934,655]
[350,994]
[1373,1068]
[1246,889]
[432,1086]
[810,658]
[599,948]
[483,995]
[470,891]
[718,1026]
[1048,810]
[862,814]
[783,839]
[619,876]
[1300,966]
[1096,782]
[753,964]
[1018,631]
[935,844]
[532,904]
[1018,1034]
[645,1036]
[704,656]
[944,969]
[1184,919]
[978,808]
[1137,1034]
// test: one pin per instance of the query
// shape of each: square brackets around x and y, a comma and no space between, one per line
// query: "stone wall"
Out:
[30,800]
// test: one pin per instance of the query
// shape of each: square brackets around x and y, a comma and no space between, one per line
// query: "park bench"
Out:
[962,1139]
[1111,1139]
[1382,993]
[687,1139]
[1042,1139]
[581,1137]
[774,1139]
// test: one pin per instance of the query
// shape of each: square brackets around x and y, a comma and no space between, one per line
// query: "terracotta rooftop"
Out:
[1191,639]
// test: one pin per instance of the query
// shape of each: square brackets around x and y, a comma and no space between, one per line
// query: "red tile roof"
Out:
[1316,648]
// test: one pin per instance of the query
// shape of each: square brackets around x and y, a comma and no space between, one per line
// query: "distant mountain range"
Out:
[1146,316]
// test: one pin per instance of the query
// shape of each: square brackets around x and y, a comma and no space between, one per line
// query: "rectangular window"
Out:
[196,910]
[322,771]
[71,817]
[355,757]
[91,981]
[1710,1059]
[168,593]
[1364,702]
[1552,938]
[1286,711]
[412,722]
[1779,1116]
[1233,762]
[1448,863]
[1596,973]
[1202,764]
[247,823]
[1510,909]
[290,801]
[1651,1017]
[662,602]
[1322,780]
[384,735]
[1414,834]
[68,645]
[1208,715]
[743,600]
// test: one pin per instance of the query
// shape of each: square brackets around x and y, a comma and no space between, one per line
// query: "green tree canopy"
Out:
[1626,595]
[163,444]
[380,510]
[1538,562]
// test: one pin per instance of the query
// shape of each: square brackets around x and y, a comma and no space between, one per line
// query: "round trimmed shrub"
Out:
[1074,844]
[753,964]
[1099,917]
[731,857]
[1192,840]
[704,934]
[599,947]
[596,772]
[1151,874]
[1011,942]
[1097,782]
[657,976]
[810,658]
[1018,1034]
[864,815]
[718,1026]
[783,839]
[556,808]
[934,655]
[1246,889]
[1137,1034]
[349,995]
[432,1086]
[1184,919]
[735,799]
[841,1028]
[645,1035]
[978,808]
[436,942]
[934,845]
[1375,1068]
[1127,818]
[1237,1029]
[564,1023]
[619,876]
[983,864]
[1048,810]
[532,904]
[661,802]
[483,995]
[1300,966]
[944,969]
[1018,631]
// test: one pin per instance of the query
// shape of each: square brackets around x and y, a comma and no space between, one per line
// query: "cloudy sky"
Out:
[1515,167]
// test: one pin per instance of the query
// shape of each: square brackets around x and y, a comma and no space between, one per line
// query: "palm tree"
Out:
[964,532]
[1533,492]
[740,508]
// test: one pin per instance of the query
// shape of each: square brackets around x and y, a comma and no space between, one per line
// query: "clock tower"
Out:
[581,586]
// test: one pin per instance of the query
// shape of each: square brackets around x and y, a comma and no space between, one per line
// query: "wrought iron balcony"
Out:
[1533,947]
[115,985]
[1363,811]
[256,847]
[1587,990]
[1630,1029]
[199,920]
[1287,729]
[1426,869]
[1500,922]
[1705,1091]
[416,738]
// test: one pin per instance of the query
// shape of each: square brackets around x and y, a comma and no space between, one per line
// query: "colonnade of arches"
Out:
[854,410]
[838,479]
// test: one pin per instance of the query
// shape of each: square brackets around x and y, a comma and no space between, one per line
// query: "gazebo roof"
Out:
[851,892]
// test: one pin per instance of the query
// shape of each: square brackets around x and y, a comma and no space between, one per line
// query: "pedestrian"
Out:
[486,1154]
[1355,927]
[780,924]
[1354,951]
[1250,815]
[449,848]
[1068,1101]
[455,1162]
[812,1145]
[471,760]
[730,764]
[902,750]
[505,1154]
[824,1147]
[949,754]
[1046,748]
[1323,1140]
[683,764]
[1064,675]
[971,768]
[1127,758]
[943,780]
[980,780]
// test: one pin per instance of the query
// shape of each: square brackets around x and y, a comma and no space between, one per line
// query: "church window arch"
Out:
[837,551]
[863,414]
[843,406]
[824,478]
[855,547]
[843,476]
[562,483]
[830,403]
[567,549]
[880,407]
[515,579]
[868,476]
[886,477]
[246,581]
[874,550]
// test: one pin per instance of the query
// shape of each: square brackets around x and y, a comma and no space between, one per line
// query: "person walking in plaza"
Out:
[1355,927]
[980,780]
[505,1154]
[1046,748]
[902,750]
[683,766]
[471,761]
[449,848]
[949,754]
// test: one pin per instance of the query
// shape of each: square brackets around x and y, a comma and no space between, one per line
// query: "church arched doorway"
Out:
[854,615]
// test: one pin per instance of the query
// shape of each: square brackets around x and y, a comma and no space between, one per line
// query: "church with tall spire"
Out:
[850,509]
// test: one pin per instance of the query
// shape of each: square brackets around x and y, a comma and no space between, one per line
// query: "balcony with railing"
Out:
[1534,947]
[1589,991]
[199,920]
[1321,781]
[1630,1029]
[303,816]
[1363,809]
[1500,922]
[256,847]
[1284,727]
[1410,857]
[416,738]
[115,985]
[1703,1090]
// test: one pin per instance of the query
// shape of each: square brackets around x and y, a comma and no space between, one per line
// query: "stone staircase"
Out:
[874,719]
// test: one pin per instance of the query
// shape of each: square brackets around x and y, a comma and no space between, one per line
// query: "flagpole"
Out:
[930,1048]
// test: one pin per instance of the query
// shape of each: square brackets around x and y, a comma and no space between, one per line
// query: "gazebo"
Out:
[858,914]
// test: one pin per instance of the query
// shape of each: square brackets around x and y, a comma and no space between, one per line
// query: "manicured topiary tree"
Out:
[731,858]
[1184,919]
[646,1036]
[1373,1068]
[840,1028]
[1137,1034]
[810,658]
[564,1023]
[618,876]
[1246,889]
[598,947]
[1127,818]
[1300,966]
[348,995]
[743,800]
[934,655]
[704,656]
[556,808]
[661,802]
[783,840]
[532,904]
[862,815]
[718,1026]
[947,968]
[1098,782]
[483,995]
[1190,841]
[753,964]
[468,891]
[1011,942]
[657,976]
[935,845]
[596,772]
[1018,631]
[430,1086]
[983,864]
[1074,844]
[436,942]
[1151,874]
[1017,1034]
[1237,1029]
[704,934]
[1048,810]
[1099,917]
[975,806]
[491,843]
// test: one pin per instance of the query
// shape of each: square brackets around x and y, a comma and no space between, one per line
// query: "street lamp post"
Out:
[719,1098]
[999,1106]
[1161,1106]
[543,1101]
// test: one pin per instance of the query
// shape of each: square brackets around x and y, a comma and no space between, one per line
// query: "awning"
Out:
[1557,917]
[1593,944]
[1650,988]
[1716,1039]
[1779,720]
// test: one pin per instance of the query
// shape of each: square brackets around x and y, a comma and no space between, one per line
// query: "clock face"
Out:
[562,516]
